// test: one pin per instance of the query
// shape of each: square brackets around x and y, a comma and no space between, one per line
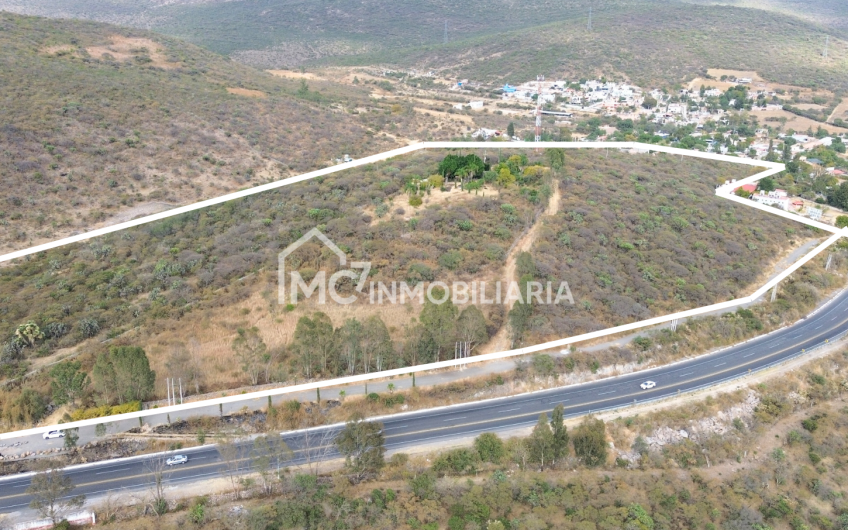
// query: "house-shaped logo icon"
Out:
[319,281]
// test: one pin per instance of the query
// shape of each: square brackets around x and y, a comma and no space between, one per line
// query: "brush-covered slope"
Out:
[101,124]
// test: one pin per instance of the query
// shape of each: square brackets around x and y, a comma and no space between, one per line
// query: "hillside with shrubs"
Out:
[103,123]
[636,235]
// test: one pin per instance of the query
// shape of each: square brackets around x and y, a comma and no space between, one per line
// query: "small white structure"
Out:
[777,198]
[476,104]
[814,213]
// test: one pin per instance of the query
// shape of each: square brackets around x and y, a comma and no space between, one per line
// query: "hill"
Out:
[645,44]
[654,42]
[101,124]
[831,14]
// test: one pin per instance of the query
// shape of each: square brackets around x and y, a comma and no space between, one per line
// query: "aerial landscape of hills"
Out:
[155,342]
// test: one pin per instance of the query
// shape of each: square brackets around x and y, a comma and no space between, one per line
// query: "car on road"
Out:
[647,385]
[176,460]
[49,435]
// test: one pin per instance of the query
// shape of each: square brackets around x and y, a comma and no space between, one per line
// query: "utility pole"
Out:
[589,27]
[826,42]
[446,32]
[181,390]
[539,79]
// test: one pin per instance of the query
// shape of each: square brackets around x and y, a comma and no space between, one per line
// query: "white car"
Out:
[176,460]
[49,435]
[647,385]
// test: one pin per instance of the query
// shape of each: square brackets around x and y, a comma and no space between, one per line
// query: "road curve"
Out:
[430,426]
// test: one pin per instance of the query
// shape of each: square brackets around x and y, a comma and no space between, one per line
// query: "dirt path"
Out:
[501,342]
[840,111]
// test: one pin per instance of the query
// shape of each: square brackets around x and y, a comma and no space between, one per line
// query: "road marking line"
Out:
[510,410]
[112,471]
[684,375]
[719,364]
[452,419]
[750,354]
[610,392]
[817,327]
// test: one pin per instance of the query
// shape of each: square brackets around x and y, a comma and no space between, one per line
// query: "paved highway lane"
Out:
[430,426]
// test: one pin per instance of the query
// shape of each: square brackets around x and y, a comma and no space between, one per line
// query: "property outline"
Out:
[724,191]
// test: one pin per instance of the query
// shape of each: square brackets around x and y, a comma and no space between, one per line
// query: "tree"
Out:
[230,450]
[51,490]
[560,434]
[28,334]
[420,345]
[349,339]
[541,442]
[132,369]
[489,447]
[839,196]
[251,352]
[123,373]
[471,327]
[556,157]
[440,320]
[362,444]
[649,102]
[28,407]
[590,444]
[638,518]
[510,130]
[269,452]
[104,380]
[377,348]
[314,343]
[767,184]
[841,221]
[505,178]
[68,382]
[157,469]
[71,438]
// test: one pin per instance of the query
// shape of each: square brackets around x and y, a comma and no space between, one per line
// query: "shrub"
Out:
[105,410]
[415,200]
[450,259]
[490,447]
[456,461]
[88,327]
[643,343]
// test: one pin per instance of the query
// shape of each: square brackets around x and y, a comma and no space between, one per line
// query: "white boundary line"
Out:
[771,168]
[377,158]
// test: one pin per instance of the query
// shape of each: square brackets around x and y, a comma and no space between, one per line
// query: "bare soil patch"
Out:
[247,92]
[132,48]
[401,201]
[793,121]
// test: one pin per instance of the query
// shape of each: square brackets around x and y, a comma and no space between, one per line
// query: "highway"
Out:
[412,429]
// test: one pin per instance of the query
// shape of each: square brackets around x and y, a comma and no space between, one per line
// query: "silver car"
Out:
[176,460]
[49,435]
